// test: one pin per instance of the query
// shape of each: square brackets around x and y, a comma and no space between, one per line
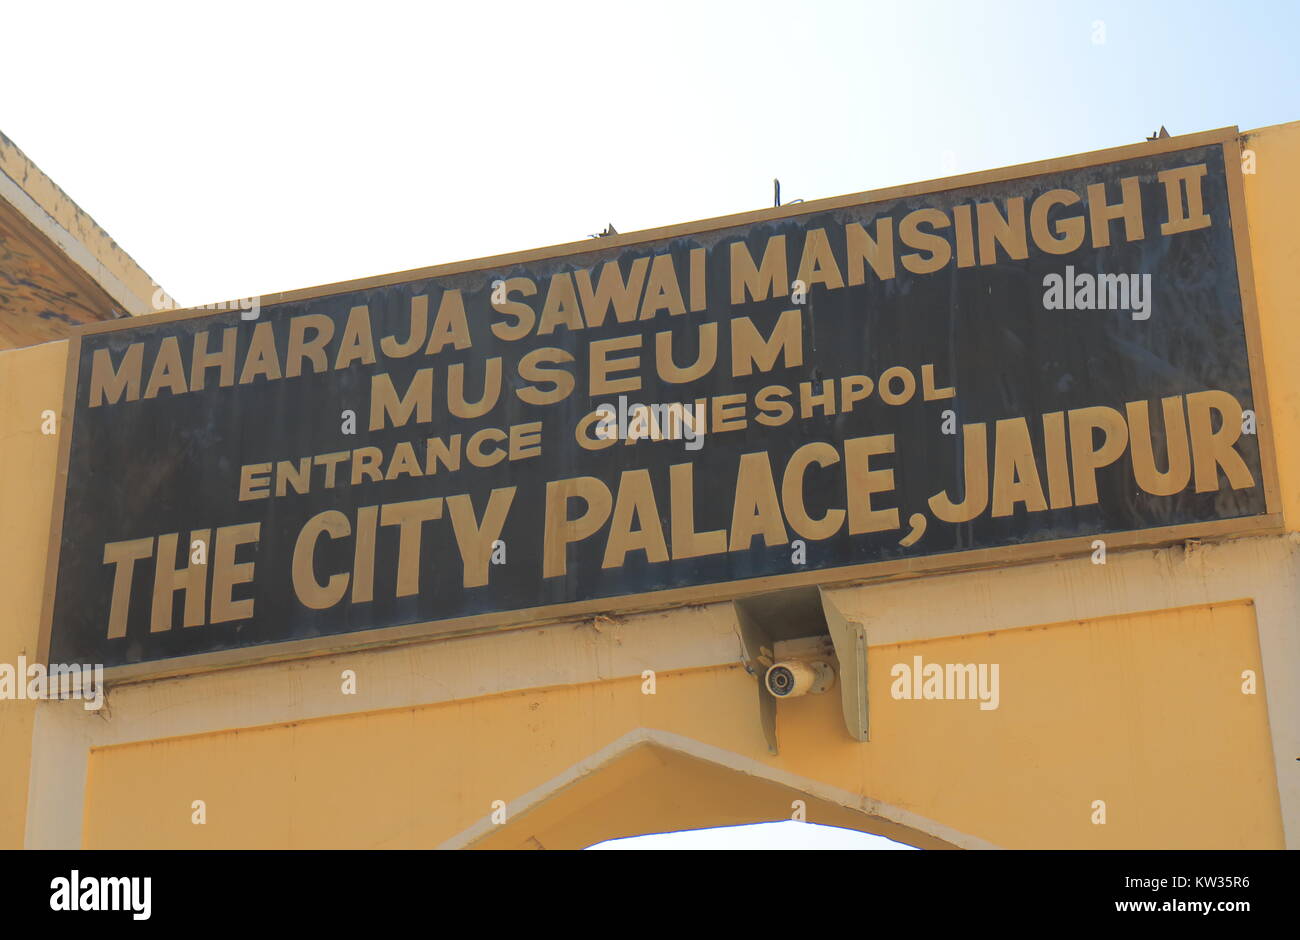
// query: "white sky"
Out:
[243,148]
[236,149]
[782,835]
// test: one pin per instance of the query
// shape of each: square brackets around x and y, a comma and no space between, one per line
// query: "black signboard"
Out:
[830,391]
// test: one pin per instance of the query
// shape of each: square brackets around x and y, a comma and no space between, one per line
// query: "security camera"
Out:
[794,677]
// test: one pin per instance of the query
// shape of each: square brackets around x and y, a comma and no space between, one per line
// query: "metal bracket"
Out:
[850,639]
[757,651]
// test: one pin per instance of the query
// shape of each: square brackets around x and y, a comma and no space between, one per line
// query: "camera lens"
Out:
[780,680]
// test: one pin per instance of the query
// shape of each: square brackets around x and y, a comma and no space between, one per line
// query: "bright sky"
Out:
[238,148]
[784,835]
[242,148]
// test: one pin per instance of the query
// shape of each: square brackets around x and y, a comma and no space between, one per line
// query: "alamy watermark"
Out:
[655,422]
[58,681]
[250,308]
[955,681]
[1084,291]
[81,893]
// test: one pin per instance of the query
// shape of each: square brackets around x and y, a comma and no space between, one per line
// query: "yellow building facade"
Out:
[1155,701]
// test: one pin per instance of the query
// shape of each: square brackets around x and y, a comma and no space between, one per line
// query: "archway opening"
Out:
[652,783]
[785,835]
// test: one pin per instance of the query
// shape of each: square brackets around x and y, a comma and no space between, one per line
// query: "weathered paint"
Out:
[58,268]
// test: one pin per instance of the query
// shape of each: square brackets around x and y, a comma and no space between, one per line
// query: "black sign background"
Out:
[172,464]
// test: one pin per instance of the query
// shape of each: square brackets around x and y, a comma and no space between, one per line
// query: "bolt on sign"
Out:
[996,366]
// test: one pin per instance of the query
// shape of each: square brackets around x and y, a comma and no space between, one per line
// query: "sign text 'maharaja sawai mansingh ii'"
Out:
[806,395]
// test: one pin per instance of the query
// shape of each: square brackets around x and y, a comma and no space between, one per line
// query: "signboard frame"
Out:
[1269,521]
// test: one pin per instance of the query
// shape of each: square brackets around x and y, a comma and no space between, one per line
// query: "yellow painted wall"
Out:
[1272,201]
[31,382]
[1144,712]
